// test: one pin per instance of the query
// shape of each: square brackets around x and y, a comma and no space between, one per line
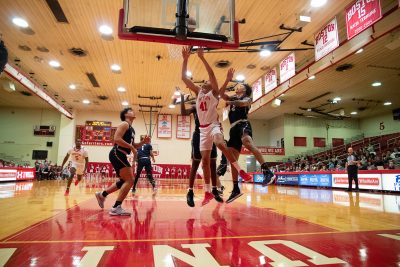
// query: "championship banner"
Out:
[287,68]
[326,40]
[183,127]
[271,81]
[265,150]
[164,126]
[257,90]
[96,133]
[360,15]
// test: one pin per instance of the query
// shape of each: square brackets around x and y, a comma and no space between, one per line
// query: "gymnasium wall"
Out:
[16,132]
[379,125]
[171,151]
[310,128]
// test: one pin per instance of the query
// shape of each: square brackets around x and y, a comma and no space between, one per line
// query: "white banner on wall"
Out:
[164,126]
[257,90]
[287,68]
[271,81]
[365,181]
[183,127]
[326,40]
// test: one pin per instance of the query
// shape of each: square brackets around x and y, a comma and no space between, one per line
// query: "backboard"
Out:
[205,23]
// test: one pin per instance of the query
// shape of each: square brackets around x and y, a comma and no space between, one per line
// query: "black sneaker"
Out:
[189,198]
[234,195]
[269,177]
[217,195]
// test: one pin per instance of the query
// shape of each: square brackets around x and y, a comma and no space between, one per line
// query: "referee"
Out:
[352,169]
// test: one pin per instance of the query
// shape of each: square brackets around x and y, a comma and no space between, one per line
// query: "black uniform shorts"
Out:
[118,160]
[236,133]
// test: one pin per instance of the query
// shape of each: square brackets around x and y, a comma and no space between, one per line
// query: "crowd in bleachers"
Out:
[368,157]
[46,170]
[11,163]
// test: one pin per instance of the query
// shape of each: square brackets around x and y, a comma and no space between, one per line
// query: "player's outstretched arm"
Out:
[184,111]
[240,103]
[211,75]
[229,77]
[188,82]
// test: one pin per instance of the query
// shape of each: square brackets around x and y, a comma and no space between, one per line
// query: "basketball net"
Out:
[174,51]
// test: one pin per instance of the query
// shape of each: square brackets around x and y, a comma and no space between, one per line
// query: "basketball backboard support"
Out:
[172,22]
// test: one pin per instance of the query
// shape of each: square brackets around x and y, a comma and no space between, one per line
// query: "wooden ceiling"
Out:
[142,73]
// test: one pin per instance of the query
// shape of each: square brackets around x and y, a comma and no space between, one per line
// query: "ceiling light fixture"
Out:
[20,22]
[354,113]
[72,86]
[360,50]
[388,103]
[376,84]
[121,89]
[188,74]
[85,101]
[305,18]
[240,78]
[311,77]
[265,53]
[115,67]
[171,106]
[318,3]
[54,63]
[125,103]
[105,29]
[337,99]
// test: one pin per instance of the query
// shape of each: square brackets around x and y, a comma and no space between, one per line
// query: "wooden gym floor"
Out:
[267,226]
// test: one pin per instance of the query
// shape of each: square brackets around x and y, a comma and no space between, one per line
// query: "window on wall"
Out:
[337,142]
[319,142]
[300,141]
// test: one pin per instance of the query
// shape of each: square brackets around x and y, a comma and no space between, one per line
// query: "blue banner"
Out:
[290,179]
[258,178]
[324,180]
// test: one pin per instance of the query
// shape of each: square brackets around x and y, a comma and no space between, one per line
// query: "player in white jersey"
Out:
[79,160]
[210,127]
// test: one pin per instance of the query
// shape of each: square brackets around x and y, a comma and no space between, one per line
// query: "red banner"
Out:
[360,15]
[16,174]
[265,150]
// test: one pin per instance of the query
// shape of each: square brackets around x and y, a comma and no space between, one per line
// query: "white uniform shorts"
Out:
[207,135]
[78,167]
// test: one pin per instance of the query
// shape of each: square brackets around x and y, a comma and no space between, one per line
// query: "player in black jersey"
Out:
[123,145]
[144,153]
[196,158]
[241,132]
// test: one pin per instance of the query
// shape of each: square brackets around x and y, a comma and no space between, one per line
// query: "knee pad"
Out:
[120,183]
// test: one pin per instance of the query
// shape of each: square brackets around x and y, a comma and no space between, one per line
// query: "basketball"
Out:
[191,24]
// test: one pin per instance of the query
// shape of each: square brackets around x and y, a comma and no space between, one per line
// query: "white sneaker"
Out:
[119,211]
[155,189]
[100,199]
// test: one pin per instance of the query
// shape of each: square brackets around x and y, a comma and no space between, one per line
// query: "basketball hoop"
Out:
[174,51]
